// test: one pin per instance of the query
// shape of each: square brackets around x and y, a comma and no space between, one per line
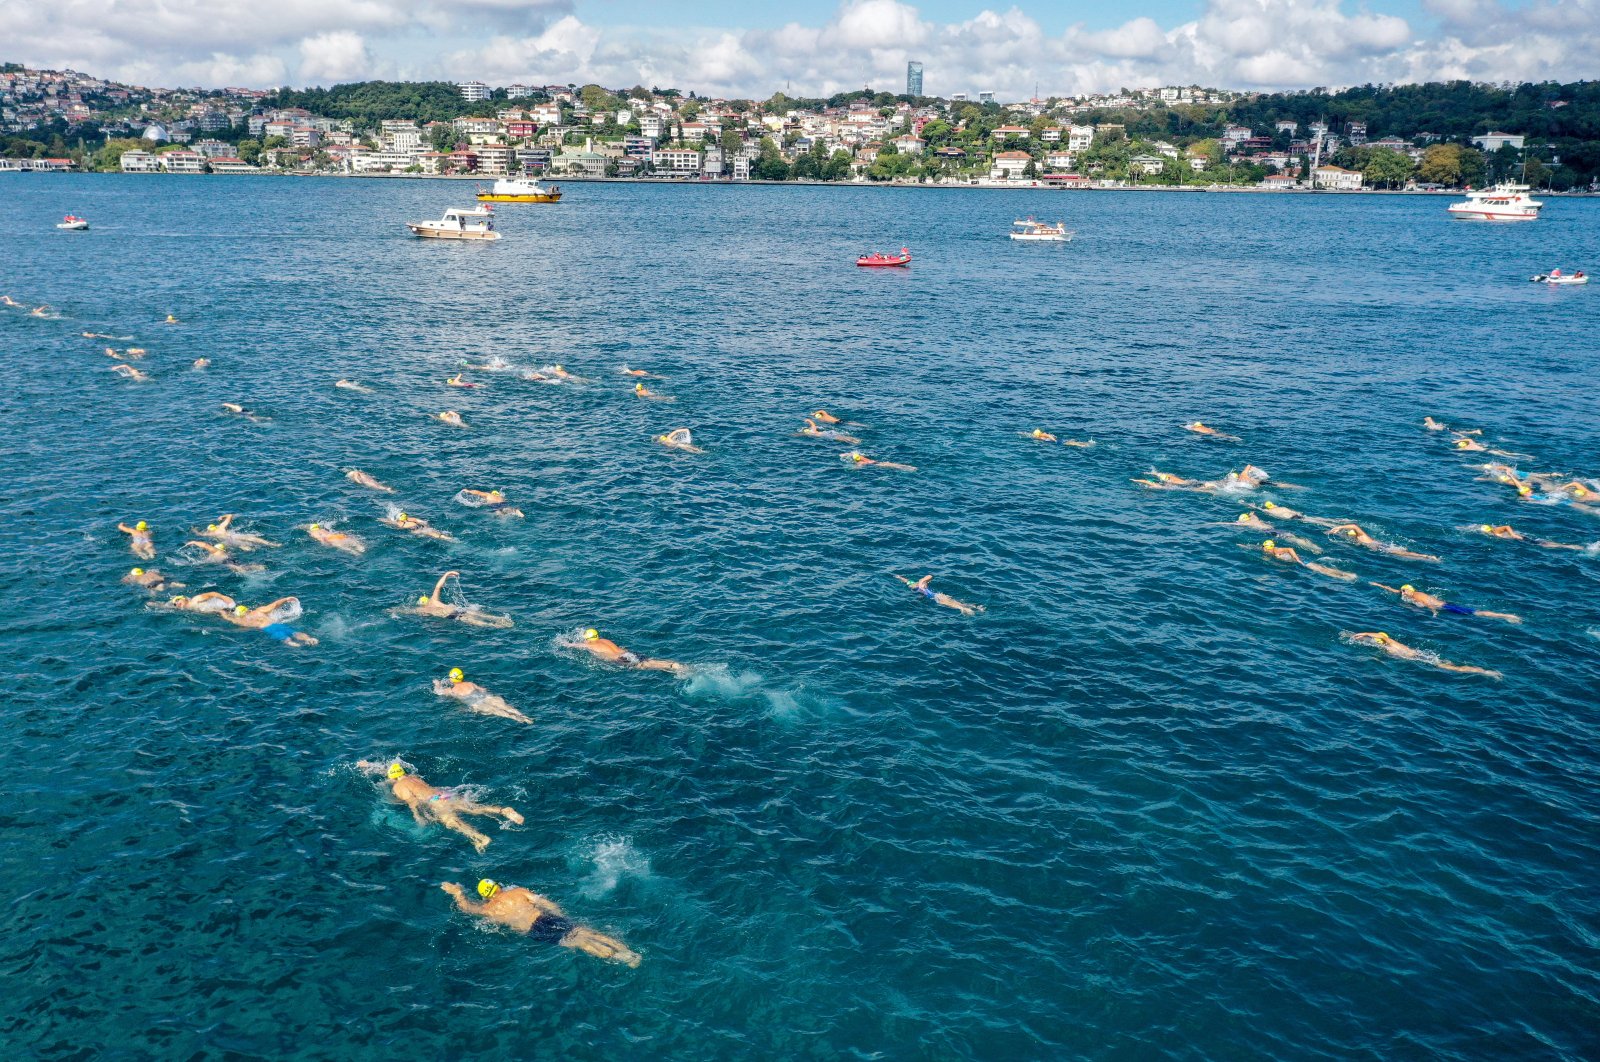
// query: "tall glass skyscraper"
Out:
[913,79]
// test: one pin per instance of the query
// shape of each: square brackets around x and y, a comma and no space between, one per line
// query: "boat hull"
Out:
[76,226]
[1489,215]
[490,197]
[434,233]
[1029,237]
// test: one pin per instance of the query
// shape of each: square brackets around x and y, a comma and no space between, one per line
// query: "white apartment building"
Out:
[1337,178]
[474,91]
[183,162]
[518,92]
[1009,165]
[675,160]
[140,162]
[1079,137]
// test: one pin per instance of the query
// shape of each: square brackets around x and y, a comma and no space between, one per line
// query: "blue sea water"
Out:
[1147,805]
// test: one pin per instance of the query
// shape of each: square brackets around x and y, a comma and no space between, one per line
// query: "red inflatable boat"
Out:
[901,259]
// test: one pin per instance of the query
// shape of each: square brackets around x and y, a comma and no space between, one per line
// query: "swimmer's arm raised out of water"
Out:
[439,586]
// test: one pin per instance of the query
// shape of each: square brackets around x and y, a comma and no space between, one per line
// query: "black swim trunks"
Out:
[551,929]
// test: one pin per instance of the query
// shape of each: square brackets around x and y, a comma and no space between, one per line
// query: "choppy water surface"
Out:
[1147,805]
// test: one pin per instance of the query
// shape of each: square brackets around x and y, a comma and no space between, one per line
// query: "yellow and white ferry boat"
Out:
[518,190]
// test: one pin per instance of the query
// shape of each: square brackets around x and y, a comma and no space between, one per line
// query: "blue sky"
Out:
[755,47]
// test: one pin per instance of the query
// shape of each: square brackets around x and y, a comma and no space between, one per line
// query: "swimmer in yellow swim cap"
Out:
[1353,534]
[612,653]
[429,803]
[1210,432]
[139,540]
[1418,599]
[539,919]
[339,540]
[1289,556]
[475,697]
[150,580]
[1381,640]
[415,525]
[223,532]
[434,606]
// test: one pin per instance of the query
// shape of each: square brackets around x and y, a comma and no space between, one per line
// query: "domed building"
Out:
[157,133]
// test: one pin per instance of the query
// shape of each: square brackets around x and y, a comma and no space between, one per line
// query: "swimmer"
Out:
[236,408]
[444,806]
[824,416]
[1255,523]
[1289,556]
[1042,436]
[679,439]
[1507,532]
[1380,640]
[452,418]
[1168,481]
[1467,445]
[223,531]
[436,607]
[539,919]
[210,554]
[7,300]
[1504,474]
[815,432]
[201,363]
[416,525]
[111,352]
[1412,596]
[1353,534]
[337,539]
[136,352]
[207,603]
[39,311]
[921,587]
[95,335]
[360,478]
[151,580]
[351,385]
[457,381]
[861,460]
[1283,512]
[271,619]
[493,500]
[139,540]
[130,373]
[1434,425]
[1248,478]
[644,392]
[612,653]
[171,320]
[559,372]
[475,697]
[635,372]
[1210,432]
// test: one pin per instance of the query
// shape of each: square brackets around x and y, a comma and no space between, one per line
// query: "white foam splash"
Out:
[613,858]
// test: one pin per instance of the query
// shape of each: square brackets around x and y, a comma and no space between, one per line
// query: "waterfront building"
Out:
[183,162]
[1059,160]
[1337,178]
[637,147]
[496,160]
[909,145]
[1281,181]
[1147,164]
[1490,142]
[474,91]
[140,162]
[913,79]
[675,160]
[230,164]
[1008,165]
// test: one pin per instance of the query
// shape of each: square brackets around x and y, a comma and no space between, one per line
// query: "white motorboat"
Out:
[1503,202]
[1040,231]
[518,190]
[1557,277]
[73,223]
[458,224]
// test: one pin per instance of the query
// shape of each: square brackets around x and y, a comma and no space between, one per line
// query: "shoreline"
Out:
[1028,186]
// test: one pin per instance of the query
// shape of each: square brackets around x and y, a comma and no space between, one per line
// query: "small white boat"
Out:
[73,223]
[1556,276]
[1040,231]
[1503,202]
[518,190]
[458,224]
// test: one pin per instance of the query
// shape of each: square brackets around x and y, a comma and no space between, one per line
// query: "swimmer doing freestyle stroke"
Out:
[338,540]
[415,525]
[921,587]
[139,540]
[815,432]
[475,697]
[150,580]
[679,439]
[271,619]
[1353,534]
[1255,523]
[1381,640]
[539,919]
[1283,553]
[642,391]
[129,372]
[1283,512]
[223,532]
[351,385]
[360,478]
[433,606]
[431,804]
[1510,534]
[492,500]
[1040,435]
[612,653]
[1209,432]
[858,459]
[209,554]
[1417,598]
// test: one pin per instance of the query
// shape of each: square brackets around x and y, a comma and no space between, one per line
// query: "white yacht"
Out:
[458,224]
[1503,202]
[1040,231]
